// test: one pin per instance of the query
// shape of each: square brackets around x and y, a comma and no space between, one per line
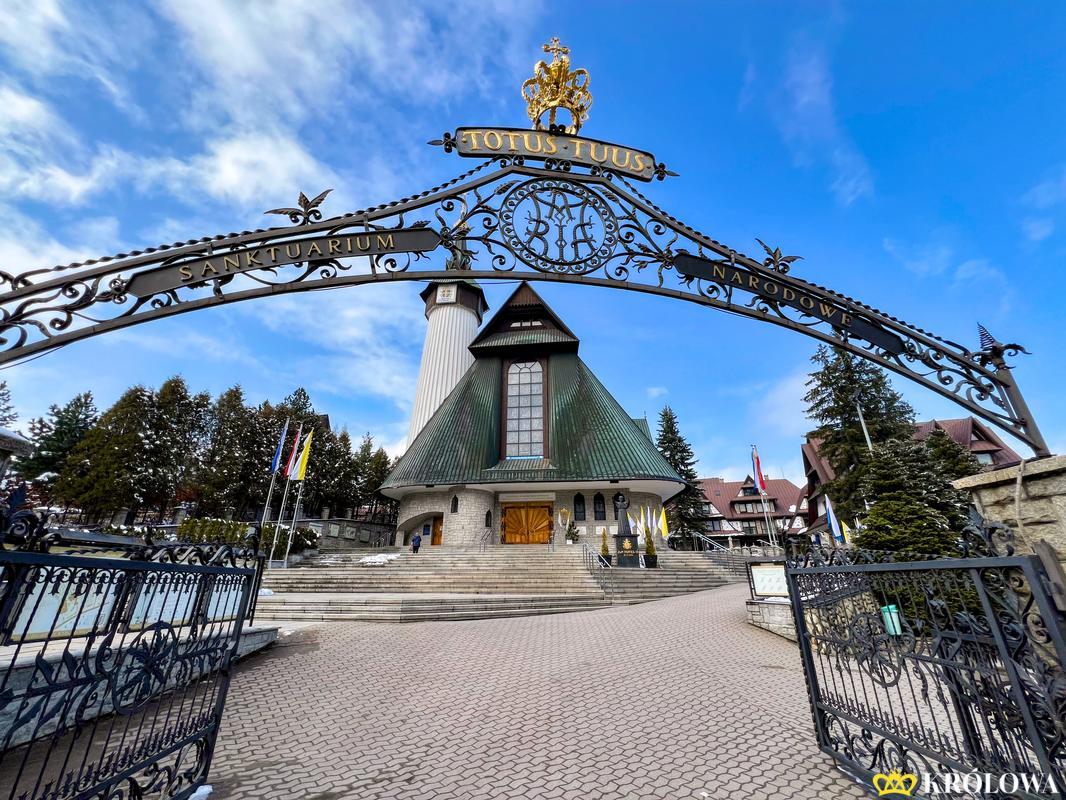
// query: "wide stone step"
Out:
[419,608]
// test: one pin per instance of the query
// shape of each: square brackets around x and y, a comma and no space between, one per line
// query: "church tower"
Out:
[454,309]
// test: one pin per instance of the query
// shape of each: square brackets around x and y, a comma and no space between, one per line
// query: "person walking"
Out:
[416,542]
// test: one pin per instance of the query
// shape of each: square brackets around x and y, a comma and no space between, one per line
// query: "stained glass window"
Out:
[525,410]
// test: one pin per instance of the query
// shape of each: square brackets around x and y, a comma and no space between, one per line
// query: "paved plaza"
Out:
[679,698]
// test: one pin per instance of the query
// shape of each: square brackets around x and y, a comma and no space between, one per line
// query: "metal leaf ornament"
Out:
[775,260]
[308,210]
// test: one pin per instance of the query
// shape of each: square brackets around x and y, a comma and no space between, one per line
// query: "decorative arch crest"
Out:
[541,205]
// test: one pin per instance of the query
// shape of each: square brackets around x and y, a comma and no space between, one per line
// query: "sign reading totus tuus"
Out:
[775,291]
[311,249]
[544,145]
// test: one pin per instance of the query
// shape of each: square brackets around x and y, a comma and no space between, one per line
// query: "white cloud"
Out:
[656,391]
[979,275]
[780,408]
[923,260]
[1036,229]
[1049,192]
[811,128]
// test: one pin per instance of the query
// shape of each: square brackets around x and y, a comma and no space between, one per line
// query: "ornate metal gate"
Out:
[114,667]
[935,668]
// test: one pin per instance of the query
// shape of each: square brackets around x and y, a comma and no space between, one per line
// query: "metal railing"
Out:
[734,560]
[114,665]
[484,541]
[600,570]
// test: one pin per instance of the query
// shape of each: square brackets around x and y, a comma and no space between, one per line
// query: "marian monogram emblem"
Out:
[558,226]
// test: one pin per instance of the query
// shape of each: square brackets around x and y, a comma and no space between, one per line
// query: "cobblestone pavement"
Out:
[679,698]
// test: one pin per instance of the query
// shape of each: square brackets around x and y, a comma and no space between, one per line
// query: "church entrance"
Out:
[438,530]
[526,523]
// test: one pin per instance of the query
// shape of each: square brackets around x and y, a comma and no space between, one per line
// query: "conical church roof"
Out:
[589,436]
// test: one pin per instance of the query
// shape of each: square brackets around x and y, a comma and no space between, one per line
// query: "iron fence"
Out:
[599,569]
[114,665]
[935,667]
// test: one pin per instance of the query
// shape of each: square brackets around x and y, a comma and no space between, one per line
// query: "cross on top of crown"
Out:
[556,49]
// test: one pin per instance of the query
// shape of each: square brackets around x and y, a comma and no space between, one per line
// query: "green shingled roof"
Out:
[522,337]
[590,437]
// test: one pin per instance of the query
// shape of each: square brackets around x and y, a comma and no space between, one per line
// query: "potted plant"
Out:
[605,553]
[571,532]
[651,559]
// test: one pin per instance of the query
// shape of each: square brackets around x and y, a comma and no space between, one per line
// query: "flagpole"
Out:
[295,514]
[281,516]
[274,473]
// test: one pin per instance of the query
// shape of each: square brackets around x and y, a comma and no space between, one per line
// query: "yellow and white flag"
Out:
[300,470]
[664,529]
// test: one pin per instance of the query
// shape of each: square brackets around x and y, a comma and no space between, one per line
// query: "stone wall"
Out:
[772,615]
[1035,506]
[466,526]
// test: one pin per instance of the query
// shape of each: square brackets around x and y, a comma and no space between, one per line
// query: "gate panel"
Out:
[932,667]
[114,671]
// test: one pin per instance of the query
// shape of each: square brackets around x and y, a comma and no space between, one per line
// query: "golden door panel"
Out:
[527,524]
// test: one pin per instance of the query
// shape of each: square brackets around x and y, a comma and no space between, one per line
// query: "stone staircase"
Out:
[453,583]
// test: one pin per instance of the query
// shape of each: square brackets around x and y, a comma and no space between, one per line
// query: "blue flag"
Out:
[281,446]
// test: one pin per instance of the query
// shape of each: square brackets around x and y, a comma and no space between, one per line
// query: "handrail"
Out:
[728,558]
[483,542]
[600,570]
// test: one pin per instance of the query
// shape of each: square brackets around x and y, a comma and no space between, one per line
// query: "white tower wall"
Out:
[445,358]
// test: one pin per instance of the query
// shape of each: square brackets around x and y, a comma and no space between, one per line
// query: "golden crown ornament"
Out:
[553,86]
[895,783]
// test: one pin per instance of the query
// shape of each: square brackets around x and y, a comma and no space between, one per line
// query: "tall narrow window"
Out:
[455,503]
[525,410]
[599,510]
[579,507]
[488,519]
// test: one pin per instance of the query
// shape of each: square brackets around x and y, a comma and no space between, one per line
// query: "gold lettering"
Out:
[231,261]
[550,146]
[638,163]
[512,137]
[827,310]
[252,258]
[753,281]
[314,249]
[788,294]
[362,243]
[334,246]
[185,272]
[614,157]
[596,158]
[208,266]
[806,301]
[719,271]
[495,136]
[473,139]
[385,241]
[845,319]
[766,287]
[273,253]
[290,254]
[738,279]
[578,145]
[529,138]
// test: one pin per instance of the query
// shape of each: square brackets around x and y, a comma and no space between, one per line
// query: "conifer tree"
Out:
[7,408]
[831,403]
[232,462]
[912,504]
[175,435]
[363,458]
[952,459]
[56,435]
[684,513]
[111,467]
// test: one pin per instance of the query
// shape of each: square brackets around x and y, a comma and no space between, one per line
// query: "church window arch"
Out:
[579,507]
[455,503]
[488,518]
[599,508]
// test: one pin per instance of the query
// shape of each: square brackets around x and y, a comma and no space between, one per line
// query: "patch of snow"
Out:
[201,793]
[379,560]
[266,593]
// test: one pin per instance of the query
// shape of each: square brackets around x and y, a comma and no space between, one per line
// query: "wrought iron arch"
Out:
[504,219]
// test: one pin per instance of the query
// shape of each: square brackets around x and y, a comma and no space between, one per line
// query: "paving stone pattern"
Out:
[678,698]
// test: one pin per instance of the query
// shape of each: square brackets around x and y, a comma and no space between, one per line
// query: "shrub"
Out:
[208,530]
[604,550]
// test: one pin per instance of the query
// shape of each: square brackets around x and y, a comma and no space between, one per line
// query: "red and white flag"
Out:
[756,466]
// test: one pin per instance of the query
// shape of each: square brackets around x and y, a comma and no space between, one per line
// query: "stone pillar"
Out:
[325,512]
[119,517]
[180,514]
[1034,507]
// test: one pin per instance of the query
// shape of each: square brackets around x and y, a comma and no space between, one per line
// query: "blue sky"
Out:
[911,153]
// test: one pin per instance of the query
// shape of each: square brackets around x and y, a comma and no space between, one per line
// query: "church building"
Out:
[510,427]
